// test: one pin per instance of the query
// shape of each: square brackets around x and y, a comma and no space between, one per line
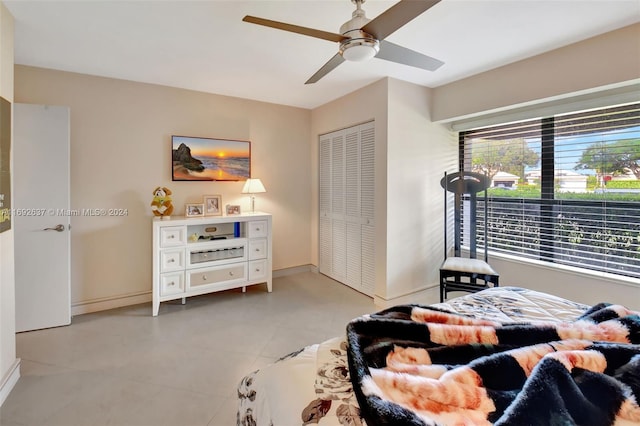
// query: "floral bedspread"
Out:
[313,386]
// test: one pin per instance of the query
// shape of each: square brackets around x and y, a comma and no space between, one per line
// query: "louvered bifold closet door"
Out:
[338,220]
[325,206]
[367,207]
[352,204]
[347,192]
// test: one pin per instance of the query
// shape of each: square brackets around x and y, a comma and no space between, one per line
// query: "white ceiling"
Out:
[205,46]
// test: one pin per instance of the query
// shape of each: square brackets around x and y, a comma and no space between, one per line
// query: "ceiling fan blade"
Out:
[396,16]
[326,68]
[402,55]
[325,35]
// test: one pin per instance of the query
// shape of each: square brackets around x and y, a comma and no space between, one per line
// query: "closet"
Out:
[347,200]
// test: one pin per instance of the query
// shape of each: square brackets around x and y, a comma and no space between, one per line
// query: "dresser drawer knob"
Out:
[204,277]
[231,273]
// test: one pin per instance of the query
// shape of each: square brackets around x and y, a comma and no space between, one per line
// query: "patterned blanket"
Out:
[416,365]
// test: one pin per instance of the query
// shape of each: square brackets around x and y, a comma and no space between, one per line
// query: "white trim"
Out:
[9,380]
[614,94]
[106,303]
[558,267]
[574,270]
[426,295]
[293,270]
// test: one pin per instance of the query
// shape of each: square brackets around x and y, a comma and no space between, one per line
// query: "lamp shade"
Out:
[253,186]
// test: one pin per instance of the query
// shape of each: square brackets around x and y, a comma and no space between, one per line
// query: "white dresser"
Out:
[193,256]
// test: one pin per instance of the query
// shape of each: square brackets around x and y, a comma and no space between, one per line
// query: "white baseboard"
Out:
[9,380]
[106,303]
[424,296]
[293,270]
[97,305]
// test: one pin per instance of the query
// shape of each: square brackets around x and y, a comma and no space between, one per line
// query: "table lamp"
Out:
[253,186]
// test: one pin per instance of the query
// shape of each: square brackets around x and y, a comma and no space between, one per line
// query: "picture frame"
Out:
[212,205]
[209,159]
[194,210]
[233,210]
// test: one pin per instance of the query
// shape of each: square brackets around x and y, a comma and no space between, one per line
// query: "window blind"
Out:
[565,188]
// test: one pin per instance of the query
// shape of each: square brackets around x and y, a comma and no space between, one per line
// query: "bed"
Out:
[505,355]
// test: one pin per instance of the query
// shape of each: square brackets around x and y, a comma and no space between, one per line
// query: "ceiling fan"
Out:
[361,38]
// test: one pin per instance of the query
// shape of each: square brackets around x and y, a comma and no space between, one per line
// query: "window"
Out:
[565,189]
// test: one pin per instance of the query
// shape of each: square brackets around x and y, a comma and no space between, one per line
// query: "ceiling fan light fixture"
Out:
[359,49]
[360,37]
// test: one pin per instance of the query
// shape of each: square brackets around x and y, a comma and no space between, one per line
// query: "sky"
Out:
[568,150]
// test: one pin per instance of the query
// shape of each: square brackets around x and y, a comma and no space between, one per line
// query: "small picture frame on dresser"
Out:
[194,210]
[233,210]
[212,205]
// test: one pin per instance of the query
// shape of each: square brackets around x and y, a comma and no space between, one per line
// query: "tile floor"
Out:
[126,368]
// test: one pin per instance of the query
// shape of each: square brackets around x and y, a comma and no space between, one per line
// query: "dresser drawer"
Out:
[171,260]
[220,274]
[172,283]
[216,253]
[257,270]
[172,236]
[257,248]
[257,229]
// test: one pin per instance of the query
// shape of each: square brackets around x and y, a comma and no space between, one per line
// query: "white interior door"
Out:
[41,216]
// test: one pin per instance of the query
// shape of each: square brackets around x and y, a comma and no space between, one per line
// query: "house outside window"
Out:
[565,189]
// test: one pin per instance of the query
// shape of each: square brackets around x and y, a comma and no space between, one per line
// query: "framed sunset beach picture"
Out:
[210,159]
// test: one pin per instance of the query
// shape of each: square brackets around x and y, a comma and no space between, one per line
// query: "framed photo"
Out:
[212,205]
[233,209]
[194,210]
[198,159]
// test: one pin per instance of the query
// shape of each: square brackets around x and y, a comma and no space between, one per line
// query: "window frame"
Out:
[547,220]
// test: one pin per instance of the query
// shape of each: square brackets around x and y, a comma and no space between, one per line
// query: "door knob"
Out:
[59,228]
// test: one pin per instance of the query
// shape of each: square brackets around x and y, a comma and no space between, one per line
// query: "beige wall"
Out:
[121,150]
[597,62]
[413,150]
[9,365]
[418,153]
[366,104]
[595,72]
[571,283]
[411,154]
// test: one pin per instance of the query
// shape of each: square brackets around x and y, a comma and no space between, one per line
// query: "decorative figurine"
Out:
[161,204]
